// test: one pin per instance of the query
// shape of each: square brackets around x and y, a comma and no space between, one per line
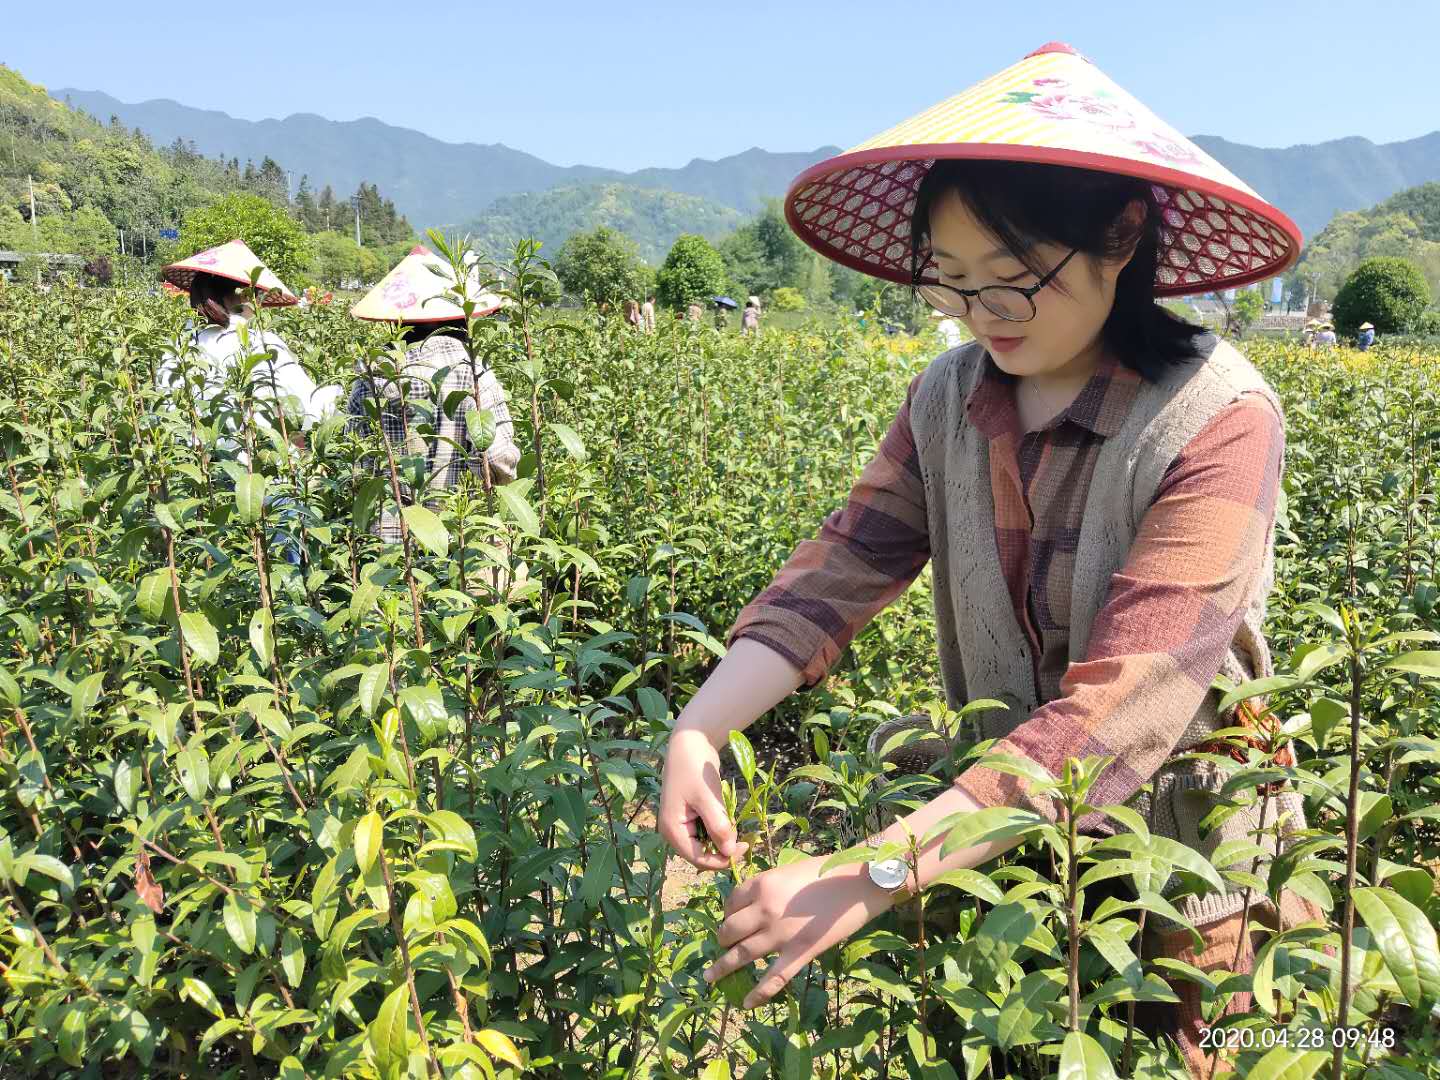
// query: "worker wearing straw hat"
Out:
[1366,337]
[750,317]
[421,295]
[1325,335]
[218,282]
[1093,479]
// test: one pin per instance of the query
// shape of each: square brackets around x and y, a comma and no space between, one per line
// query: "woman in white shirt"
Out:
[218,283]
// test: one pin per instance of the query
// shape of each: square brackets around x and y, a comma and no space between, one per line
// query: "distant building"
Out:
[10,261]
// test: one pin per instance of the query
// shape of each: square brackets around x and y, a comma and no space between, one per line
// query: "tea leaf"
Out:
[427,528]
[1405,938]
[239,918]
[369,835]
[200,636]
[250,497]
[388,1034]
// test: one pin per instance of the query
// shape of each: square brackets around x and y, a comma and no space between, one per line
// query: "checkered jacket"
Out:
[449,451]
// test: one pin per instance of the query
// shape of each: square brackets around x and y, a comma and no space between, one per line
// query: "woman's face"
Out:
[1061,339]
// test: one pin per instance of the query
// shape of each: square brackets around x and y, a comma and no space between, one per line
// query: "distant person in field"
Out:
[1366,337]
[750,317]
[416,294]
[1093,481]
[632,313]
[217,282]
[647,314]
[722,317]
[1325,336]
[694,312]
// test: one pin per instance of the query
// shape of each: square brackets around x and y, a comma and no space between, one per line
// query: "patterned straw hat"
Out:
[1053,107]
[414,292]
[232,261]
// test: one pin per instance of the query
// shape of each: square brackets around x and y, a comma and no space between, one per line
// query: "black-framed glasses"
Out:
[1012,303]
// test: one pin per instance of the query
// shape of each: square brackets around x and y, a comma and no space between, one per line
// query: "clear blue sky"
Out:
[646,82]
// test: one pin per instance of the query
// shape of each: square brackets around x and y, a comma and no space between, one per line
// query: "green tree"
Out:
[328,211]
[601,265]
[85,232]
[305,207]
[746,267]
[765,254]
[1406,225]
[336,260]
[787,299]
[1245,310]
[380,223]
[272,234]
[692,271]
[1392,293]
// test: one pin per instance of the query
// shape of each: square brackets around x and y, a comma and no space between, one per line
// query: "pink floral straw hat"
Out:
[1053,107]
[233,261]
[416,290]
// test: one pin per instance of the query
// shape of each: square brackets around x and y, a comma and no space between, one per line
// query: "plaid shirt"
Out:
[444,465]
[1167,622]
[1171,613]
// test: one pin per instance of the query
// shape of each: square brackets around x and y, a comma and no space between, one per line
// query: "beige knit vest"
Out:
[984,652]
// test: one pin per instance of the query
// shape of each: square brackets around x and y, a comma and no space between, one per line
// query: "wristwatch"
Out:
[889,874]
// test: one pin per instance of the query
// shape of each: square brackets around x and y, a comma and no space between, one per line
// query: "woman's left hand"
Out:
[796,912]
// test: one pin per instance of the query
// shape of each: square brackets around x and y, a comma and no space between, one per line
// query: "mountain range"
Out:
[436,183]
[431,182]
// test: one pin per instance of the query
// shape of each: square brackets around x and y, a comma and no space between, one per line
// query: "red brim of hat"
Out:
[1213,236]
[181,277]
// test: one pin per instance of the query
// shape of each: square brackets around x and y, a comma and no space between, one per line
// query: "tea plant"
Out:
[282,800]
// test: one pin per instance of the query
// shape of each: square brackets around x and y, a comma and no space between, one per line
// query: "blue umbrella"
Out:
[725,301]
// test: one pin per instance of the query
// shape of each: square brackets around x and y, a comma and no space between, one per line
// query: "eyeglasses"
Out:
[1010,302]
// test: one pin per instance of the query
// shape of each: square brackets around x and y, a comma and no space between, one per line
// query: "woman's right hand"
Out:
[690,794]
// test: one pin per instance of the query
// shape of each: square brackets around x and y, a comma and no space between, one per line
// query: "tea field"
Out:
[369,815]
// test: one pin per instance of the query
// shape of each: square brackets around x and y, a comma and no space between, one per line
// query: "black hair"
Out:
[418,332]
[209,294]
[1024,204]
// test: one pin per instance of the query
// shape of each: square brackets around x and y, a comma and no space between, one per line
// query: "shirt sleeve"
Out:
[1170,616]
[503,454]
[865,556]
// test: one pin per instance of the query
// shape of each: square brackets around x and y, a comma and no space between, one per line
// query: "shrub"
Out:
[602,266]
[370,816]
[1390,292]
[787,299]
[692,271]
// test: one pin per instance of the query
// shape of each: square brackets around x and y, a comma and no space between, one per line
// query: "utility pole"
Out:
[357,222]
[34,225]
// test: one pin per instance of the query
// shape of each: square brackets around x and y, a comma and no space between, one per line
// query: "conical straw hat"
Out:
[414,292]
[1053,107]
[233,261]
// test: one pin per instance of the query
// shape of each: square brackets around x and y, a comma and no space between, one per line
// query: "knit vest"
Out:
[984,652]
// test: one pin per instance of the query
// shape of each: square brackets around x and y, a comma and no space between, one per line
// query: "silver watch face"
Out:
[889,873]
